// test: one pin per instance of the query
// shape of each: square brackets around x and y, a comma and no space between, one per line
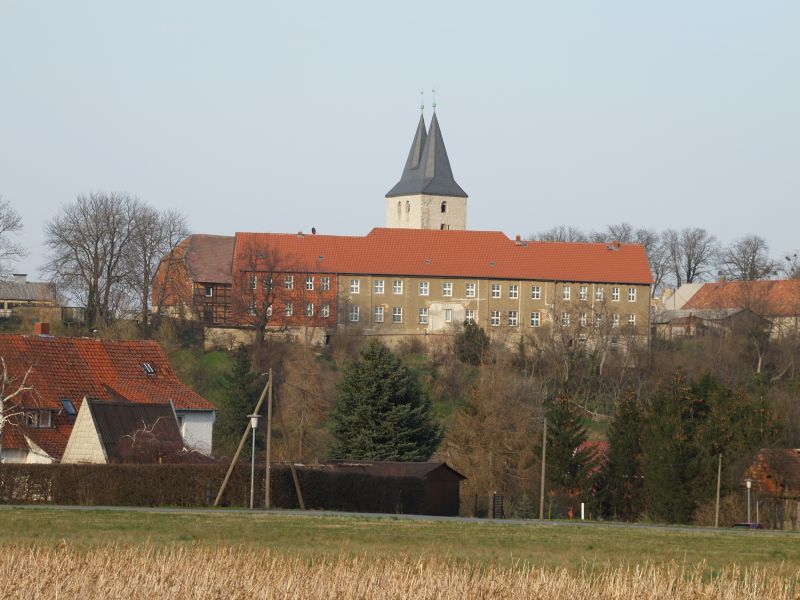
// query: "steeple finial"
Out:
[434,99]
[421,101]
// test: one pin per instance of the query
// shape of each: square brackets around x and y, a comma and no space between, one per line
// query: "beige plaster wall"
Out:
[422,211]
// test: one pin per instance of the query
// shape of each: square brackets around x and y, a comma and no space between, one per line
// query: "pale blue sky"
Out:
[282,116]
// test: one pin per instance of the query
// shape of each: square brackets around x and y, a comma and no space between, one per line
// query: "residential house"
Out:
[775,475]
[66,371]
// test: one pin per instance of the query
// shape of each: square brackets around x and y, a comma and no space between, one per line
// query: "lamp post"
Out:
[749,483]
[253,425]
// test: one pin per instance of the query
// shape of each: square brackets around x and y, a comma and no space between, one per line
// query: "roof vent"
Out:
[492,263]
[148,368]
[300,234]
[615,245]
[428,261]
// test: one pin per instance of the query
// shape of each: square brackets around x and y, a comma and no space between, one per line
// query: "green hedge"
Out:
[197,485]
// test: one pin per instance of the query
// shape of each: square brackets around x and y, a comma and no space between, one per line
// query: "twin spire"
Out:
[427,169]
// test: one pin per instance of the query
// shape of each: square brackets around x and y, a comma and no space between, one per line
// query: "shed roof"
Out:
[418,470]
[27,291]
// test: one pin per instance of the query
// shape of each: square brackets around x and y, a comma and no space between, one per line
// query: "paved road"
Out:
[221,512]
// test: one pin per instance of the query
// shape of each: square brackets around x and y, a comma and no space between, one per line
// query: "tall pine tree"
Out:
[239,393]
[624,472]
[382,412]
[569,461]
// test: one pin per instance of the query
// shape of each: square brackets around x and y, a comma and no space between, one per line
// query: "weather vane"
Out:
[421,100]
[434,99]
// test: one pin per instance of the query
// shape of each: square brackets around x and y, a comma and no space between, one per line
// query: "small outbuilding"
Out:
[440,482]
[775,475]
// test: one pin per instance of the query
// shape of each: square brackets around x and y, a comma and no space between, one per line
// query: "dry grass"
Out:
[197,571]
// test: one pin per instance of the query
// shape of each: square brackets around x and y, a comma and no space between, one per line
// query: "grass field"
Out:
[572,547]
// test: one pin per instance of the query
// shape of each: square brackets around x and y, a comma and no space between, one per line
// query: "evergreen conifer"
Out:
[240,390]
[382,411]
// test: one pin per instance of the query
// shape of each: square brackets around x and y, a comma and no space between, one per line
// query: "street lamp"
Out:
[253,425]
[749,483]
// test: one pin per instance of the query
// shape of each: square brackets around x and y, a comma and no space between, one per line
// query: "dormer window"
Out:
[148,368]
[40,419]
[69,408]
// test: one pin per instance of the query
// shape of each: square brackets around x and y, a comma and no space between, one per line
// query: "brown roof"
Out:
[780,298]
[209,258]
[132,430]
[74,368]
[418,470]
[420,252]
[28,291]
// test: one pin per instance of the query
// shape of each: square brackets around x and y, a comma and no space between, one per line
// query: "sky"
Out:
[283,116]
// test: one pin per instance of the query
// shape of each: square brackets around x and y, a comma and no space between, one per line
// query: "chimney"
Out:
[41,328]
[519,241]
[20,277]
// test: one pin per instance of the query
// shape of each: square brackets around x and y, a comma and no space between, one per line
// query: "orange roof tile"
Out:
[420,252]
[768,298]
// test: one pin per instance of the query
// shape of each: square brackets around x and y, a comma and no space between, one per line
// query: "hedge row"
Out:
[197,485]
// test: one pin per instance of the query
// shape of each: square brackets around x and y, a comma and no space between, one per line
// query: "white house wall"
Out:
[197,427]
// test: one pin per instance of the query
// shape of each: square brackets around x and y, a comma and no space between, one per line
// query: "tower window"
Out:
[408,206]
[444,206]
[399,209]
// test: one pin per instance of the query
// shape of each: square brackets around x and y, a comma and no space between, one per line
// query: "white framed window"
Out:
[252,282]
[209,291]
[513,318]
[513,291]
[631,294]
[397,314]
[598,320]
[355,313]
[266,281]
[447,289]
[494,319]
[378,286]
[631,320]
[397,286]
[495,290]
[310,283]
[379,314]
[565,318]
[583,320]
[288,309]
[448,315]
[309,309]
[288,282]
[583,292]
[469,315]
[45,418]
[470,290]
[269,311]
[599,294]
[423,316]
[536,293]
[251,309]
[325,284]
[615,294]
[355,286]
[423,288]
[536,319]
[582,338]
[615,320]
[325,311]
[565,292]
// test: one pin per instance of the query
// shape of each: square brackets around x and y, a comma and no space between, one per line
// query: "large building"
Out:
[424,273]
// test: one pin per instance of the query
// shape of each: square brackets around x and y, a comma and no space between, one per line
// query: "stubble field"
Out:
[108,554]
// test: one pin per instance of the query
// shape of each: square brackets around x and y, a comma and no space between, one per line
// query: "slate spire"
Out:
[427,169]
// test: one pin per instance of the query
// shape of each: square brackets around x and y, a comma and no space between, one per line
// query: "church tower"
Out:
[427,196]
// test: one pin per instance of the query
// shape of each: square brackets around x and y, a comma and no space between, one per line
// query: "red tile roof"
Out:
[75,368]
[779,298]
[420,252]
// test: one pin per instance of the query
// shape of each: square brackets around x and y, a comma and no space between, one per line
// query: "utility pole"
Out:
[719,481]
[267,472]
[544,457]
[238,450]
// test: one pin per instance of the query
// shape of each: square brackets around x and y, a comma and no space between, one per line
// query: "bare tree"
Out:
[155,236]
[747,259]
[625,233]
[12,392]
[10,222]
[690,253]
[791,265]
[88,244]
[562,233]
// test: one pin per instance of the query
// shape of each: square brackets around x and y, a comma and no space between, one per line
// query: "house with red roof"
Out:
[422,274]
[63,372]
